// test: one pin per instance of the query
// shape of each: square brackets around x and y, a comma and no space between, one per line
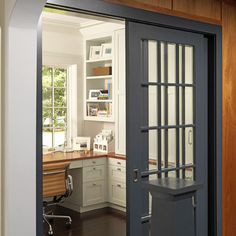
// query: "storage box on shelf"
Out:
[99,65]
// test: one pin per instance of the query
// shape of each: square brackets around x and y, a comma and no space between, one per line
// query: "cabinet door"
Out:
[93,193]
[117,193]
[117,173]
[93,173]
[120,114]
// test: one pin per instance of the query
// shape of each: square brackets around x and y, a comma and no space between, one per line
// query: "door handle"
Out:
[190,137]
[135,175]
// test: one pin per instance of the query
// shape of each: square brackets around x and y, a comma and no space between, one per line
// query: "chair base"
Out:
[46,219]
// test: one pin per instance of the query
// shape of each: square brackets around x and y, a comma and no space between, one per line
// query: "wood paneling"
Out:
[202,8]
[229,119]
[145,4]
[208,11]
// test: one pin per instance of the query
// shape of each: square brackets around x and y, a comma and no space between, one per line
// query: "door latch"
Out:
[135,175]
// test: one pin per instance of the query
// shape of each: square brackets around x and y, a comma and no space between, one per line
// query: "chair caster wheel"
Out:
[50,232]
[68,224]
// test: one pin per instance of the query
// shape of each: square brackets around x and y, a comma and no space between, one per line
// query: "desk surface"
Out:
[75,156]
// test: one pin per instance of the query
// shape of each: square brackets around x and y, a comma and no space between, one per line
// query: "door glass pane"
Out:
[171,63]
[170,104]
[189,144]
[188,64]
[188,105]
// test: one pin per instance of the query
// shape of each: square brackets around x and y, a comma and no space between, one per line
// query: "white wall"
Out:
[19,134]
[63,46]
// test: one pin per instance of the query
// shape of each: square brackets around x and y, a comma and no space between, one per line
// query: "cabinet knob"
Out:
[94,162]
[118,185]
[94,168]
[118,163]
[94,184]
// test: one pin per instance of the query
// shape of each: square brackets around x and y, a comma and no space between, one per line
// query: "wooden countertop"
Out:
[75,156]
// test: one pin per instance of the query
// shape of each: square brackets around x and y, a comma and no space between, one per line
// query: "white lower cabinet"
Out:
[94,193]
[117,182]
[117,193]
[94,181]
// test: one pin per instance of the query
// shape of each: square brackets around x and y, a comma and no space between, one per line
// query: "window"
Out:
[55,106]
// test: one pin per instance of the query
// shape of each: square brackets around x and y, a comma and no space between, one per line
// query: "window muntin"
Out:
[55,106]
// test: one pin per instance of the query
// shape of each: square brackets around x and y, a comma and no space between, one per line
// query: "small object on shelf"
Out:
[95,52]
[81,144]
[103,95]
[106,50]
[102,113]
[94,94]
[92,109]
[99,71]
[104,142]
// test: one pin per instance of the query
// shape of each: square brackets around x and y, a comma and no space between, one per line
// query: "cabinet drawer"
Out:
[117,162]
[93,173]
[117,173]
[117,193]
[94,162]
[76,164]
[93,193]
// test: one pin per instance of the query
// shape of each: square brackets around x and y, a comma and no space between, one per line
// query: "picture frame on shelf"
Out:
[95,52]
[106,51]
[94,94]
[92,110]
[81,143]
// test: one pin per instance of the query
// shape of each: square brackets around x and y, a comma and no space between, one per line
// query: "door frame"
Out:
[214,35]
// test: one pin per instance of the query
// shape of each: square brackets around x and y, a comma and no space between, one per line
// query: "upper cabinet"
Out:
[99,78]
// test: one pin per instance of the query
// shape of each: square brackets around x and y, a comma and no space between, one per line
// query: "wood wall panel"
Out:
[145,4]
[203,8]
[208,11]
[229,119]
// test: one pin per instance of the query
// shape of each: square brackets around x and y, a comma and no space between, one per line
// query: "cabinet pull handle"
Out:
[94,168]
[119,169]
[118,185]
[118,163]
[94,184]
[94,162]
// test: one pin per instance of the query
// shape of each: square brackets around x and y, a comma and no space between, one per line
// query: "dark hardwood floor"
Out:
[104,222]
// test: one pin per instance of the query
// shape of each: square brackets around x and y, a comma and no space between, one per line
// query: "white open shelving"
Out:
[98,82]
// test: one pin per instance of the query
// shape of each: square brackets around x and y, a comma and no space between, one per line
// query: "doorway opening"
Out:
[83,122]
[136,172]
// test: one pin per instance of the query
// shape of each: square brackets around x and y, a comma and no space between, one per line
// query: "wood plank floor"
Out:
[103,222]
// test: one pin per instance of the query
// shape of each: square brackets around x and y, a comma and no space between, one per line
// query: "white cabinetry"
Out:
[94,181]
[100,109]
[117,181]
[120,107]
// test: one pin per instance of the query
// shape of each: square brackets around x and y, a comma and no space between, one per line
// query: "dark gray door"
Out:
[166,117]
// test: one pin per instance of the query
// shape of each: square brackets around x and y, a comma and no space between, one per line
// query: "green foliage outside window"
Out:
[54,94]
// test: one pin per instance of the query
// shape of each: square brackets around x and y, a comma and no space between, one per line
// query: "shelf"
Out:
[99,118]
[99,101]
[99,77]
[99,60]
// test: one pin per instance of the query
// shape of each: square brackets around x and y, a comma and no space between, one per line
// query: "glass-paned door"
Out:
[166,118]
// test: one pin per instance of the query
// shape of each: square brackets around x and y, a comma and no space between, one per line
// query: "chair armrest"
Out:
[69,186]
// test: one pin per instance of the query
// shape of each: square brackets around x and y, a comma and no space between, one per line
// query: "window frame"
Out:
[71,102]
